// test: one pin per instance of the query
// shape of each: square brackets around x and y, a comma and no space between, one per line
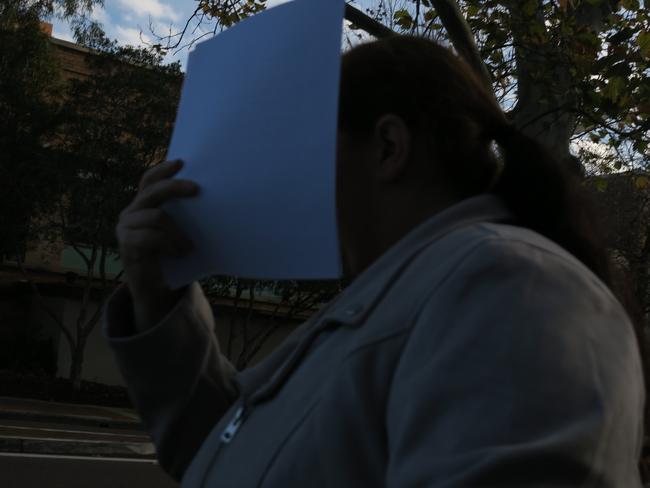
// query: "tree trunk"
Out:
[547,111]
[76,362]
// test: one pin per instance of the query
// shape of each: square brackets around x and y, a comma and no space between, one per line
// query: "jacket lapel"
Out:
[354,304]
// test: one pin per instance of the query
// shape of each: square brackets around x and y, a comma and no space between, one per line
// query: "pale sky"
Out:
[128,21]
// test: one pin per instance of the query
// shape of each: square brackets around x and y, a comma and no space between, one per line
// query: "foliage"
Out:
[565,70]
[586,59]
[581,66]
[117,123]
[29,87]
[72,153]
[114,125]
[287,301]
[68,9]
[30,384]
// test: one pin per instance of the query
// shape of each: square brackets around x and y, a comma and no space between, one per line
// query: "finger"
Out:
[138,243]
[156,218]
[161,171]
[162,191]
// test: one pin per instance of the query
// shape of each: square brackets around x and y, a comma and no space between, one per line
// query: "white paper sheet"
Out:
[256,128]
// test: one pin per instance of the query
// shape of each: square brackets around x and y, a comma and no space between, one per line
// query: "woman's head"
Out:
[436,95]
[416,134]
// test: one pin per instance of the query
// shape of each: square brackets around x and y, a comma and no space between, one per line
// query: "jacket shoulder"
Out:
[518,345]
[496,265]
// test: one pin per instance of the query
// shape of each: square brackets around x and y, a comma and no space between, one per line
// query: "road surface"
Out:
[48,471]
[43,454]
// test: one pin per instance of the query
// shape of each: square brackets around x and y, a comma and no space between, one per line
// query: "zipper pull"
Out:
[233,426]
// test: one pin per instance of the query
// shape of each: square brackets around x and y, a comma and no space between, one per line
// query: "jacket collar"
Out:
[352,306]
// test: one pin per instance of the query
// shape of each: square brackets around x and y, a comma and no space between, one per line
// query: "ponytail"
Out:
[547,197]
[437,94]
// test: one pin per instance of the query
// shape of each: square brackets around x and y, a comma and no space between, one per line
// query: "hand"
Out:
[145,233]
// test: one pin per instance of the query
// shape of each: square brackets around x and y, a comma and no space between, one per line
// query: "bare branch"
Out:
[267,323]
[553,110]
[417,17]
[240,363]
[600,122]
[81,318]
[81,254]
[268,332]
[117,277]
[370,25]
[181,34]
[233,318]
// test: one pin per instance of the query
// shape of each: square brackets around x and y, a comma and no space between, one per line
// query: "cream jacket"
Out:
[474,353]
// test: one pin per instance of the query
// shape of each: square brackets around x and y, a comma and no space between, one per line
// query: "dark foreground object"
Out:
[32,471]
[41,387]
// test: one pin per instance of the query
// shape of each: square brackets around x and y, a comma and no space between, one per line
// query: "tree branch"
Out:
[90,270]
[462,38]
[417,17]
[268,332]
[370,25]
[80,252]
[94,319]
[41,301]
[240,363]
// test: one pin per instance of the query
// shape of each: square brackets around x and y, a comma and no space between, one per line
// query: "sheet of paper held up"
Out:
[256,128]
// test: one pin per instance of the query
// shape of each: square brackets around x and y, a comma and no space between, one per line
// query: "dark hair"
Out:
[441,99]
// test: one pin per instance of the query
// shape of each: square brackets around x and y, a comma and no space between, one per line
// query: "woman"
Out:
[477,344]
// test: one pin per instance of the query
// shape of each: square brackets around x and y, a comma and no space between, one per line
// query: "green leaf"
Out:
[643,41]
[641,182]
[641,146]
[429,15]
[630,4]
[621,36]
[529,7]
[614,88]
[601,185]
[403,19]
[400,14]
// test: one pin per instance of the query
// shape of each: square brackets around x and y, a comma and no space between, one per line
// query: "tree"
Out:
[286,301]
[572,74]
[114,125]
[68,9]
[564,70]
[30,86]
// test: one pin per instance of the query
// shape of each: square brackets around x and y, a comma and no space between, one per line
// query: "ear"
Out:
[392,140]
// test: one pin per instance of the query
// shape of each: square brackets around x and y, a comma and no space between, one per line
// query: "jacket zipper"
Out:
[238,418]
[233,426]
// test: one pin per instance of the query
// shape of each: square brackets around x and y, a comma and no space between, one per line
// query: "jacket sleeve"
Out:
[521,370]
[177,377]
